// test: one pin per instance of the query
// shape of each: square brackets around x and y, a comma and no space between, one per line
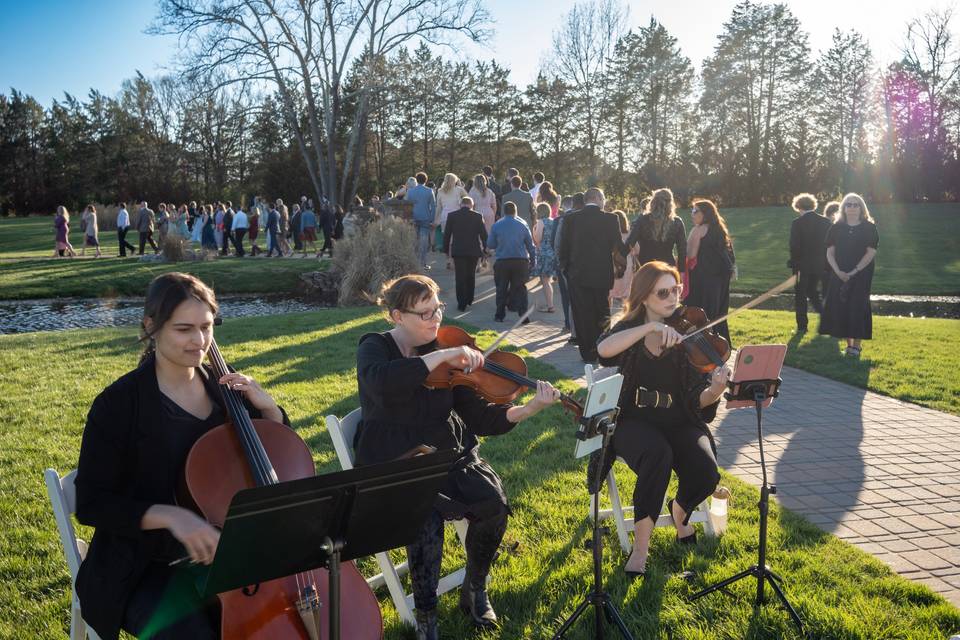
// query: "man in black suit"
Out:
[589,238]
[464,240]
[808,235]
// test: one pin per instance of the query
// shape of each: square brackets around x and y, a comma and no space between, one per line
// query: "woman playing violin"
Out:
[136,440]
[400,413]
[665,403]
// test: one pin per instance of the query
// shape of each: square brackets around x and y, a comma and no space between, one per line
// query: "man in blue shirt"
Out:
[424,208]
[512,243]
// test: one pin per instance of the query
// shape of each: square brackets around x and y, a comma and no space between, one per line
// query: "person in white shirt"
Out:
[535,189]
[123,225]
[239,229]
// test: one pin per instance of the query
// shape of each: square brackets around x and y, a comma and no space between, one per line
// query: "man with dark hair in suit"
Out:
[493,186]
[590,236]
[464,241]
[808,255]
[521,199]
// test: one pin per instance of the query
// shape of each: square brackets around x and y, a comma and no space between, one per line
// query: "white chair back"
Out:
[342,433]
[63,499]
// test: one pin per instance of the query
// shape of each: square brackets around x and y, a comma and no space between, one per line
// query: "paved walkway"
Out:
[877,472]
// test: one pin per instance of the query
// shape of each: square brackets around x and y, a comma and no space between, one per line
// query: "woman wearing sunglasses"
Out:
[665,405]
[400,413]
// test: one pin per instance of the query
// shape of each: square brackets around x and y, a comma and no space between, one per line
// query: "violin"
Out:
[706,349]
[244,453]
[502,378]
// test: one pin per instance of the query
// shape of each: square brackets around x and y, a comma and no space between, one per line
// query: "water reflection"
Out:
[883,305]
[21,316]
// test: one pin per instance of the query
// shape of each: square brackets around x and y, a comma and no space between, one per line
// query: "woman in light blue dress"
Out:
[546,264]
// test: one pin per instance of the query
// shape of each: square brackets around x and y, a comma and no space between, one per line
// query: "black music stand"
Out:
[758,391]
[322,521]
[600,424]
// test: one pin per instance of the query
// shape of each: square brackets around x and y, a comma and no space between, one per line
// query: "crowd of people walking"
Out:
[218,228]
[592,251]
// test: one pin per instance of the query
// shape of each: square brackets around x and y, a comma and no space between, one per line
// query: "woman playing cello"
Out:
[665,403]
[400,413]
[137,437]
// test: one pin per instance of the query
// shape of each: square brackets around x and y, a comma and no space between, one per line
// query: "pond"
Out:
[21,316]
[883,305]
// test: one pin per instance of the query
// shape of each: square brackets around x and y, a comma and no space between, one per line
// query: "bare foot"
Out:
[678,515]
[636,563]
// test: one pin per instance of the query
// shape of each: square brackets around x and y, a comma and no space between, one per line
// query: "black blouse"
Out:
[670,373]
[399,413]
[641,233]
[851,242]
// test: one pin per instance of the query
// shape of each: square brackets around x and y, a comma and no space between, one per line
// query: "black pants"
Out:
[590,308]
[565,302]
[510,276]
[465,270]
[145,237]
[124,245]
[166,606]
[423,556]
[238,241]
[327,242]
[652,451]
[807,287]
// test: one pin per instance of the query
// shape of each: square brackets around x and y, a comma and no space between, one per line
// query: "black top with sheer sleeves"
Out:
[671,373]
[399,413]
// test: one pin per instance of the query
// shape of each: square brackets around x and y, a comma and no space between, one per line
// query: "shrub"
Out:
[174,248]
[382,251]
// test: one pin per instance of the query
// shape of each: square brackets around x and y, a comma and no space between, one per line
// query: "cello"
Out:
[244,453]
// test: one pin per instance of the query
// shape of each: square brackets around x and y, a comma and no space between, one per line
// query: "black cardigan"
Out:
[123,470]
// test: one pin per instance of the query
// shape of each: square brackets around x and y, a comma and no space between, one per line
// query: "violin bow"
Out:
[786,284]
[503,335]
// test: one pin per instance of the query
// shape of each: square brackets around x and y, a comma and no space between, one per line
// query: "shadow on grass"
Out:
[812,435]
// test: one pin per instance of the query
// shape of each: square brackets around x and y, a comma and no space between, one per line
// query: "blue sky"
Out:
[51,46]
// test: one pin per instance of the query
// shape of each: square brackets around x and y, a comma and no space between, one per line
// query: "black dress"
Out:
[846,310]
[399,413]
[655,441]
[710,279]
[675,238]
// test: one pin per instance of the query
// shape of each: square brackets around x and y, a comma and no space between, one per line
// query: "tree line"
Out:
[352,100]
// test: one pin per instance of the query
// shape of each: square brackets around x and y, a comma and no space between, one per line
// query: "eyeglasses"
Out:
[663,294]
[852,205]
[427,316]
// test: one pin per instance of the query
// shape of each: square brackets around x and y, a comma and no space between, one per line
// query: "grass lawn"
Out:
[912,359]
[107,277]
[307,361]
[919,248]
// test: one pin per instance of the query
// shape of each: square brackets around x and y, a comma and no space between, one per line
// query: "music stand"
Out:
[599,419]
[323,521]
[759,392]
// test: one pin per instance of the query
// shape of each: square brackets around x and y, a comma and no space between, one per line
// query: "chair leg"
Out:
[78,628]
[395,587]
[622,533]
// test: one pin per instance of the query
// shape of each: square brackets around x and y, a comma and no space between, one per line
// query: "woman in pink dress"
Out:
[621,286]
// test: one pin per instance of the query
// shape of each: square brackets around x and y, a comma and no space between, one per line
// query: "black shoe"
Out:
[496,319]
[526,321]
[427,625]
[476,604]
[690,539]
[632,575]
[573,340]
[461,308]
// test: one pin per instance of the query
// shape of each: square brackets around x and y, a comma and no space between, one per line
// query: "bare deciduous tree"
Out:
[302,51]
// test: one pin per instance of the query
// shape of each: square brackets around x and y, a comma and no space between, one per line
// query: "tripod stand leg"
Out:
[573,618]
[786,605]
[614,616]
[723,583]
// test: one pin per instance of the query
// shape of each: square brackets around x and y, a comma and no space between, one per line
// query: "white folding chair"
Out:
[623,516]
[342,433]
[63,498]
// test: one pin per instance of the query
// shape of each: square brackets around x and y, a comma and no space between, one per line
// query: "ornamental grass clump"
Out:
[381,251]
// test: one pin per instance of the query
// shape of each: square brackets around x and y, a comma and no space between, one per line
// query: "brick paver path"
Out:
[877,472]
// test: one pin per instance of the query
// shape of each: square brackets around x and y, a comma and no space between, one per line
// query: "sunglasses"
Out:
[852,205]
[427,316]
[663,294]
